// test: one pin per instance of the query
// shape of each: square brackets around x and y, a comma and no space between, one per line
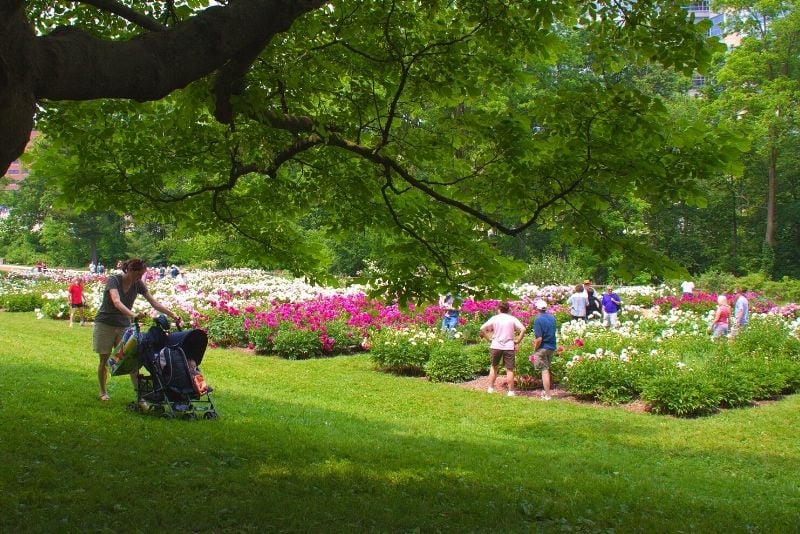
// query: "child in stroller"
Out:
[175,384]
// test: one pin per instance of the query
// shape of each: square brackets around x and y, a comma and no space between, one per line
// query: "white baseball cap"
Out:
[540,304]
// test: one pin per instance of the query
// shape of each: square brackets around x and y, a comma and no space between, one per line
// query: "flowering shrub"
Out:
[603,376]
[295,343]
[660,336]
[403,350]
[56,309]
[226,330]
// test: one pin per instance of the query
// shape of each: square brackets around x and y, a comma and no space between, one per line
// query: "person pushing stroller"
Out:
[116,313]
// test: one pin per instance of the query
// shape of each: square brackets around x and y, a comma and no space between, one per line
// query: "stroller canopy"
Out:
[193,343]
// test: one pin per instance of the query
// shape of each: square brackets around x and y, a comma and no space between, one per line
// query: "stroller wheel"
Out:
[132,406]
[190,416]
[168,415]
[210,415]
[158,408]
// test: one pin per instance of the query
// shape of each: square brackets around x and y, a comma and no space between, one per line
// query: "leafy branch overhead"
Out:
[435,124]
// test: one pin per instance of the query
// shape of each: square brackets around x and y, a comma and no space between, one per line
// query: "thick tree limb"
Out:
[110,6]
[69,64]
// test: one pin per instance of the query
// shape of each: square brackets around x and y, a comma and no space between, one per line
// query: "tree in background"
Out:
[757,89]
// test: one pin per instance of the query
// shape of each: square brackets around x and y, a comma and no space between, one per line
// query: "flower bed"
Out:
[660,353]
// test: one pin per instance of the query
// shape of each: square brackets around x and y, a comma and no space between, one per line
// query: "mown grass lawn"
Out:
[330,445]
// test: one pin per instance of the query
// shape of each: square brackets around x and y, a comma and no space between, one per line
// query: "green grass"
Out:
[330,445]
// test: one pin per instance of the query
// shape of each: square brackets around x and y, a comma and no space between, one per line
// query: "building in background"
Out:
[702,11]
[17,171]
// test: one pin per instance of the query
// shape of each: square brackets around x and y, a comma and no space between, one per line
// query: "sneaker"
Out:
[490,390]
[544,397]
[511,394]
[144,406]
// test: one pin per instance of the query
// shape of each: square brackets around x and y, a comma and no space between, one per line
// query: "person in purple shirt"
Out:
[611,305]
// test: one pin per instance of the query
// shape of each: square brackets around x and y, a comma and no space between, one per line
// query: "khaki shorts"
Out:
[106,337]
[541,359]
[508,357]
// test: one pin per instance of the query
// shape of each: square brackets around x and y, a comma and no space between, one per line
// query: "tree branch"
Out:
[73,65]
[134,17]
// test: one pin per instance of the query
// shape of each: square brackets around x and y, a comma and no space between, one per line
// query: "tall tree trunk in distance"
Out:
[734,265]
[769,236]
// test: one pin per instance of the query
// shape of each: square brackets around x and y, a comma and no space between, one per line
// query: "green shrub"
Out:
[226,330]
[403,351]
[261,337]
[715,281]
[552,269]
[607,379]
[449,362]
[21,302]
[768,379]
[469,330]
[789,368]
[692,349]
[295,343]
[762,336]
[478,356]
[645,367]
[562,316]
[686,394]
[736,388]
[701,307]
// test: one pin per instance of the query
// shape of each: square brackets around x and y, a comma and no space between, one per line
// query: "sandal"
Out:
[103,397]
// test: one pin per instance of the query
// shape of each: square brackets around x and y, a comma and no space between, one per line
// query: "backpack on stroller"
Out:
[175,385]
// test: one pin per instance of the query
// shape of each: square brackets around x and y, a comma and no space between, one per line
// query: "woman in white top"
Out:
[578,302]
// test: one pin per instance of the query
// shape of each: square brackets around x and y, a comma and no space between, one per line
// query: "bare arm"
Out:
[118,304]
[159,307]
[518,339]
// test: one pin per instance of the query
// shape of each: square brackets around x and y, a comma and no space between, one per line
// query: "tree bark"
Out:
[769,236]
[69,64]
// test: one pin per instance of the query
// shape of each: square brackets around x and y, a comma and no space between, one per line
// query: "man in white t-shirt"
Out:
[506,333]
[687,288]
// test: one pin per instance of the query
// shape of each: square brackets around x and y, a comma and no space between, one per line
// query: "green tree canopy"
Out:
[435,125]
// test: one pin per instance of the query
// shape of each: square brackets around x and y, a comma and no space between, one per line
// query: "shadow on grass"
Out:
[288,464]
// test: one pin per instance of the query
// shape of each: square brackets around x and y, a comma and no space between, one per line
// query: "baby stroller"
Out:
[175,385]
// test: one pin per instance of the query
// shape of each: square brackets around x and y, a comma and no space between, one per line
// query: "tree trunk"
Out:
[769,236]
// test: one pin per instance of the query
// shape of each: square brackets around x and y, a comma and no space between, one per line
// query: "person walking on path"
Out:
[506,333]
[720,325]
[450,319]
[76,300]
[687,288]
[544,345]
[578,302]
[611,304]
[741,311]
[115,315]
